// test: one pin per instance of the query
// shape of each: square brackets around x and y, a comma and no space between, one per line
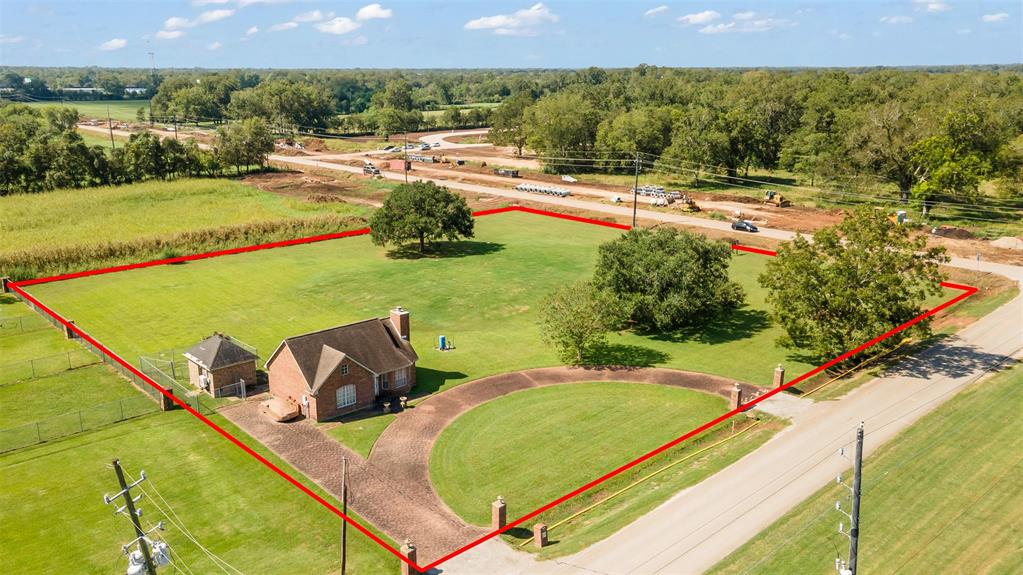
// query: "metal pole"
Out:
[133,515]
[635,192]
[344,511]
[404,151]
[854,526]
[110,125]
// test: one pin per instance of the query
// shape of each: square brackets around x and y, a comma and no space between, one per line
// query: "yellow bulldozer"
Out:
[772,198]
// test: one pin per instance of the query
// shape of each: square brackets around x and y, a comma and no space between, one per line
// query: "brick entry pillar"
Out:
[779,376]
[409,551]
[166,404]
[3,284]
[736,396]
[540,535]
[67,330]
[498,514]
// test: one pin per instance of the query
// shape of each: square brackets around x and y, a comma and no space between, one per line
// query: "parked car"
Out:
[744,226]
[388,148]
[436,144]
[424,146]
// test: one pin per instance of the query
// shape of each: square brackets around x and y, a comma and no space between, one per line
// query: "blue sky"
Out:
[472,34]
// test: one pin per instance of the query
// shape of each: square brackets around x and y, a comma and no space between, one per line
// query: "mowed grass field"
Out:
[535,445]
[943,497]
[482,296]
[119,213]
[232,504]
[119,110]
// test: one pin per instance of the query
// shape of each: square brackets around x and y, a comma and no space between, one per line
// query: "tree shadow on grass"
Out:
[428,380]
[445,250]
[6,299]
[742,323]
[625,355]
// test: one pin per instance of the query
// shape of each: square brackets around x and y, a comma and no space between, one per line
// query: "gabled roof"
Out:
[372,343]
[218,351]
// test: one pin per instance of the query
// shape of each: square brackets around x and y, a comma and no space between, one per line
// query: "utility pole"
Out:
[344,510]
[133,514]
[842,567]
[854,526]
[152,85]
[110,126]
[404,151]
[635,192]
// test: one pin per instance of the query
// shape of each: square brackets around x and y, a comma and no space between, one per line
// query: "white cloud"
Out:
[215,46]
[931,5]
[338,26]
[995,17]
[520,23]
[169,34]
[747,26]
[313,16]
[655,11]
[5,39]
[748,15]
[373,12]
[251,31]
[212,16]
[114,44]
[284,26]
[896,19]
[699,17]
[176,23]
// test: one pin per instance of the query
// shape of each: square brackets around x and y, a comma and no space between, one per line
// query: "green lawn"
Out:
[120,110]
[39,340]
[532,446]
[67,392]
[96,139]
[361,434]
[123,213]
[942,497]
[233,505]
[482,296]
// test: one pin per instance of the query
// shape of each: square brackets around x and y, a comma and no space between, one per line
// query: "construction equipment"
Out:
[772,198]
[686,204]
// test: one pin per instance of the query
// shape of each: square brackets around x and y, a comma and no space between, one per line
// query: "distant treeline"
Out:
[42,150]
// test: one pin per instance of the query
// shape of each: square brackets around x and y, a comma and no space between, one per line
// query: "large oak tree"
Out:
[423,212]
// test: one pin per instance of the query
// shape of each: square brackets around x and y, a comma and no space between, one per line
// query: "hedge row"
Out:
[44,262]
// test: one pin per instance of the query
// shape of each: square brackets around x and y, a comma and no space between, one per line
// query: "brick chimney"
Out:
[399,320]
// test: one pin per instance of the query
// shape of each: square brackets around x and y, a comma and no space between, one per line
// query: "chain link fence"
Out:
[170,375]
[75,422]
[18,325]
[46,365]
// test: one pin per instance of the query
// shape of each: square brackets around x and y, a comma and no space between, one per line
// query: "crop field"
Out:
[481,294]
[120,110]
[122,213]
[942,498]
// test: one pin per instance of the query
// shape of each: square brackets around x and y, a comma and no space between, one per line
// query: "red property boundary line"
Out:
[18,287]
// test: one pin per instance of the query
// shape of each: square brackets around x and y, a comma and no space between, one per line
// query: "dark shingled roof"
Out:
[218,351]
[373,343]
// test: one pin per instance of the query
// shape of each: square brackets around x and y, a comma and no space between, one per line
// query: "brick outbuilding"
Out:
[218,364]
[346,368]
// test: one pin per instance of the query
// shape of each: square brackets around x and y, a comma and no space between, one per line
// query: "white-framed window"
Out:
[385,382]
[344,369]
[345,396]
[400,378]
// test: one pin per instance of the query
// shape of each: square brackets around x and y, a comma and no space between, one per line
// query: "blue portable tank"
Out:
[443,342]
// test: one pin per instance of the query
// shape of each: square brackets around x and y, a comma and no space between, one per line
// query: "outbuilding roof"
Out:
[218,351]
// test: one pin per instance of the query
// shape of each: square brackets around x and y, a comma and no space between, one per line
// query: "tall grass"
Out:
[42,262]
[67,218]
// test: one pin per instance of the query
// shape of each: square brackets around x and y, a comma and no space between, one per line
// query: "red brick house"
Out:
[219,365]
[343,369]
